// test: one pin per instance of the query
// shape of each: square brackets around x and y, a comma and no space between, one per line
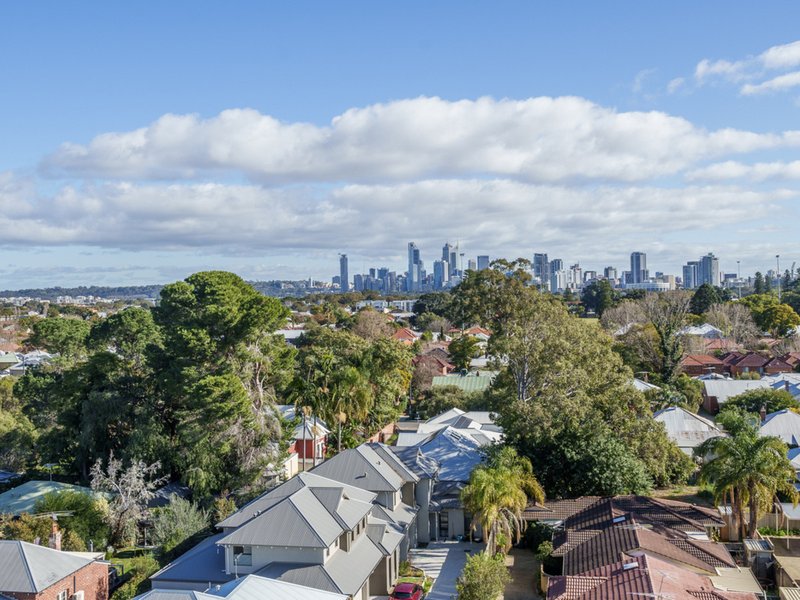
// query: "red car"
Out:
[407,591]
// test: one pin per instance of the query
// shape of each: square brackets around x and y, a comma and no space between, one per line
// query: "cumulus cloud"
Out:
[756,172]
[539,140]
[497,215]
[755,74]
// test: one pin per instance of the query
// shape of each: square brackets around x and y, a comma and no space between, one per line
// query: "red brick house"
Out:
[701,364]
[31,572]
[777,365]
[751,362]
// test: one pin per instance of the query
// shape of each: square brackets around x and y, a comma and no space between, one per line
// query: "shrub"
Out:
[177,522]
[484,577]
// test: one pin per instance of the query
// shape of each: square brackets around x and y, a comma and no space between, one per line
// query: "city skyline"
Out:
[305,130]
[449,269]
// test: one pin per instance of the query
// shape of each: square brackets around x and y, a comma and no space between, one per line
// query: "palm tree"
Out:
[497,494]
[749,469]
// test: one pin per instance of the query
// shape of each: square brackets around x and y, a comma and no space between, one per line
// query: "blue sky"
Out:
[142,142]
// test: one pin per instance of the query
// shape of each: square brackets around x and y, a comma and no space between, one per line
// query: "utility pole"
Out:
[778,261]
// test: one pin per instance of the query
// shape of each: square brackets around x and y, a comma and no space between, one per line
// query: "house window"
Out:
[62,595]
[243,555]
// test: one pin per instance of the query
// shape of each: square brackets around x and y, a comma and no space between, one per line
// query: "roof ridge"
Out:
[303,517]
[28,571]
[374,468]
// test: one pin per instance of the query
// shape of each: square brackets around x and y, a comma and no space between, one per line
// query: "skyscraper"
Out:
[344,278]
[472,265]
[440,274]
[690,274]
[639,273]
[483,262]
[610,273]
[414,268]
[708,272]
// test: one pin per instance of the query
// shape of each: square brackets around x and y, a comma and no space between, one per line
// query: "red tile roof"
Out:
[701,360]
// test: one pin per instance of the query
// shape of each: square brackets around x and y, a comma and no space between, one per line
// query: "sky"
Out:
[142,142]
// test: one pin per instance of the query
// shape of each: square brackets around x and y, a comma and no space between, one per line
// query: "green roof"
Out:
[468,383]
[22,498]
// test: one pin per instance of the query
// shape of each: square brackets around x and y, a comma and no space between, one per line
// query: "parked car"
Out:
[407,591]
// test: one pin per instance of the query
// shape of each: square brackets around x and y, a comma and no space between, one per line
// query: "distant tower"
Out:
[414,268]
[483,262]
[344,278]
[639,273]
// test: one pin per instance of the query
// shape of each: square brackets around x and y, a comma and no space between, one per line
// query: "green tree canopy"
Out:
[752,400]
[704,298]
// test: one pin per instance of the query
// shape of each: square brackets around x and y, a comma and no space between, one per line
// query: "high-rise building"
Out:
[440,274]
[541,269]
[344,278]
[639,273]
[610,273]
[690,270]
[709,270]
[556,265]
[483,262]
[472,265]
[414,268]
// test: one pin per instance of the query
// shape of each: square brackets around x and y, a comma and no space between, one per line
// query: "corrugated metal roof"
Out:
[299,521]
[468,383]
[784,424]
[24,497]
[787,593]
[28,569]
[205,563]
[255,587]
[175,595]
[399,467]
[363,468]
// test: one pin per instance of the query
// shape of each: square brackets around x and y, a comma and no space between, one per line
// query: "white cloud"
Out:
[545,140]
[753,72]
[776,84]
[499,216]
[756,172]
[675,84]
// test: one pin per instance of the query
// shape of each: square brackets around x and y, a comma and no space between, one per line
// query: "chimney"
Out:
[55,536]
[763,412]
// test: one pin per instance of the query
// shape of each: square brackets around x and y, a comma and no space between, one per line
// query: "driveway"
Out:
[443,561]
[522,567]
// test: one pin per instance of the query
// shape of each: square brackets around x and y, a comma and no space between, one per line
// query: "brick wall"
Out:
[92,580]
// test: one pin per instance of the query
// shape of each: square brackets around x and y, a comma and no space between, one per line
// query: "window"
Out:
[62,595]
[243,555]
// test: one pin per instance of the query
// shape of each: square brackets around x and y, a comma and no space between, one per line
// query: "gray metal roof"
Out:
[313,576]
[402,514]
[784,424]
[394,462]
[299,520]
[384,535]
[345,572]
[205,563]
[175,595]
[415,460]
[303,480]
[363,468]
[29,569]
[254,587]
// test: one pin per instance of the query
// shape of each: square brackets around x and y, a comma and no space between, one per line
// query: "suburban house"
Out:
[406,336]
[31,572]
[685,428]
[784,424]
[478,381]
[310,531]
[717,391]
[309,440]
[246,588]
[23,498]
[433,363]
[644,576]
[446,449]
[600,542]
[374,468]
[700,364]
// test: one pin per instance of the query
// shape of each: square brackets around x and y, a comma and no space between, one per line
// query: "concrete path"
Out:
[443,561]
[522,565]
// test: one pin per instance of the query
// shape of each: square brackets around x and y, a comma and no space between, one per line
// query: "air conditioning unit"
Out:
[77,596]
